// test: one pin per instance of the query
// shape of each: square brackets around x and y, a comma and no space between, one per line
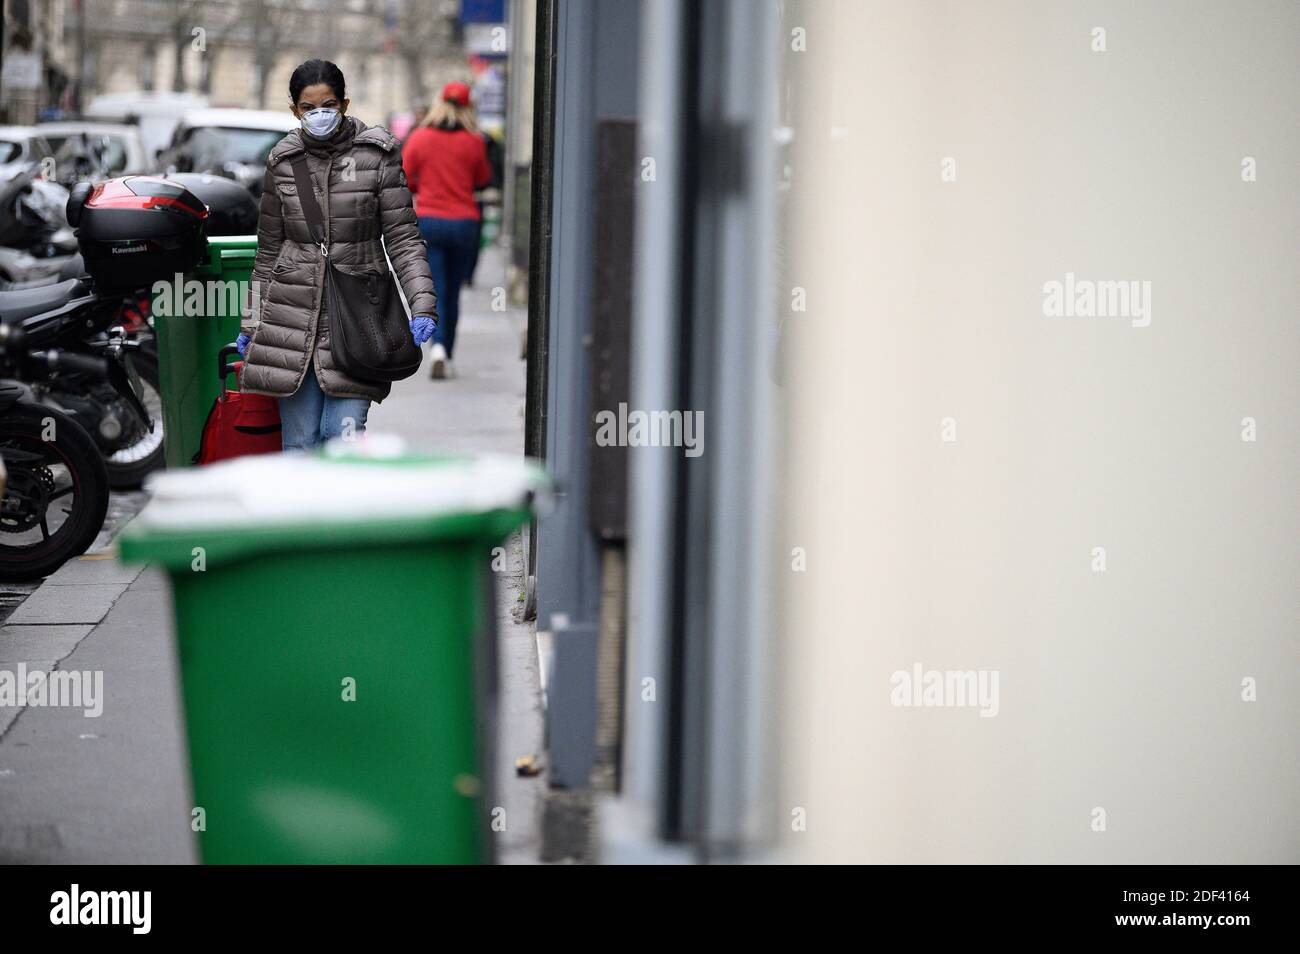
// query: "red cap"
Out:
[457,93]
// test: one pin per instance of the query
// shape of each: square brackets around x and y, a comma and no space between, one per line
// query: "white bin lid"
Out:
[346,484]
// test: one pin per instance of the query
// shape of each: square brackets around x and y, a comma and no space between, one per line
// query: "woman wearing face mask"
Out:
[361,190]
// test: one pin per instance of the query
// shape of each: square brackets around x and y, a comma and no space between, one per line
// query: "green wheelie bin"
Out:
[335,631]
[188,343]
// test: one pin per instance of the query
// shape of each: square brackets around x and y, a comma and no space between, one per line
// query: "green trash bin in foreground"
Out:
[335,625]
[188,343]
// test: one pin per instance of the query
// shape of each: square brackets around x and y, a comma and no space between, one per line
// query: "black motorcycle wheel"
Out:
[128,466]
[56,491]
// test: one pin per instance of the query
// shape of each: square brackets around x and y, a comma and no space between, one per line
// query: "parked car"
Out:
[94,151]
[154,113]
[22,148]
[228,142]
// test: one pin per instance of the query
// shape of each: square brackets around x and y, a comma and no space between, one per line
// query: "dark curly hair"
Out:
[316,71]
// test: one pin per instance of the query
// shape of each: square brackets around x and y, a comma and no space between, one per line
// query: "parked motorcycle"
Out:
[121,408]
[37,246]
[56,491]
[132,232]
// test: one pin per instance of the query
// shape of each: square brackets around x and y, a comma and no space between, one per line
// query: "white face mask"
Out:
[320,123]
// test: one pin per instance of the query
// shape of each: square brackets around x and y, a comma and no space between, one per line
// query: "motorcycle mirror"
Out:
[76,201]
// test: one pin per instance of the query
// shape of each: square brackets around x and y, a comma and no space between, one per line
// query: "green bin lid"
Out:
[347,496]
[228,248]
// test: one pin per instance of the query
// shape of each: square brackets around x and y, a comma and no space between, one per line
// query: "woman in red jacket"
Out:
[445,161]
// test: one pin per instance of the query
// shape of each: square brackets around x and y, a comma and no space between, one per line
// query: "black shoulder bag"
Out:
[369,331]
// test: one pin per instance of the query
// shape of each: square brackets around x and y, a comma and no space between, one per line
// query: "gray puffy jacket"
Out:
[363,196]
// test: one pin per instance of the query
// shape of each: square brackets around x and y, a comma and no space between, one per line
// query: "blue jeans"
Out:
[452,244]
[309,417]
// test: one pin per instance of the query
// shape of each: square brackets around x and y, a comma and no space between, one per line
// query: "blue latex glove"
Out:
[242,343]
[422,328]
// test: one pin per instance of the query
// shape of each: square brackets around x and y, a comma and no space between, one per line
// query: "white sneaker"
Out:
[438,362]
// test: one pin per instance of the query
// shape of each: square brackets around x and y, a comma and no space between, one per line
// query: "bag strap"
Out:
[310,207]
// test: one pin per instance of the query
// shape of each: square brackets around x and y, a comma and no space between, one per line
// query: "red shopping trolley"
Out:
[238,424]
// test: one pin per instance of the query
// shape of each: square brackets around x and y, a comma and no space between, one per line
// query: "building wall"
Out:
[41,31]
[959,456]
[129,33]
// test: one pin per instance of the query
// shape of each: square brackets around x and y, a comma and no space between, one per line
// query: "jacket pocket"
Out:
[363,270]
[277,276]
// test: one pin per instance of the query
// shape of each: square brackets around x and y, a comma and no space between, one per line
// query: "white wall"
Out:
[1119,689]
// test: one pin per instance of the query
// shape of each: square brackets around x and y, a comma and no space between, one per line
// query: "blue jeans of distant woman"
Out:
[451,244]
[309,417]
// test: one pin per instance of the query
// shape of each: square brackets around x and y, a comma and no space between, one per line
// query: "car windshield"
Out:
[212,147]
[112,149]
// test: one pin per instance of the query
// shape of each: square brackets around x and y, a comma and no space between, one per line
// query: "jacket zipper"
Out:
[329,238]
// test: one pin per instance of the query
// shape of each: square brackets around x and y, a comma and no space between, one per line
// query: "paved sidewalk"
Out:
[114,789]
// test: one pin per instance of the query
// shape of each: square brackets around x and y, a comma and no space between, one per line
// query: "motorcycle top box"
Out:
[137,230]
[232,210]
